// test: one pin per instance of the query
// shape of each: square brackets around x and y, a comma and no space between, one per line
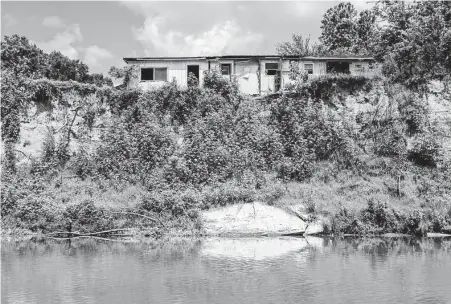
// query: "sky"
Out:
[101,33]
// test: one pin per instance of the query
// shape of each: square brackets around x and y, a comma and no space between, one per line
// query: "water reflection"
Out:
[218,270]
[257,249]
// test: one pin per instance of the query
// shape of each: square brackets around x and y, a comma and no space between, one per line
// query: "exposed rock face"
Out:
[251,219]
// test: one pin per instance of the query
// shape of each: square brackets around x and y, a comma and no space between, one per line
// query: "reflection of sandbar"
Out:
[252,248]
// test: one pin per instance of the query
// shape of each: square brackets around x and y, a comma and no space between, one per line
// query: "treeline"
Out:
[27,60]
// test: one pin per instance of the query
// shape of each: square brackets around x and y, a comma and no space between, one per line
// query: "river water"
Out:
[215,270]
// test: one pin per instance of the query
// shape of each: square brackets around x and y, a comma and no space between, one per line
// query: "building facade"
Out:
[256,75]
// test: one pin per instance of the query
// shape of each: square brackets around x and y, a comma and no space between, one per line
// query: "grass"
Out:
[44,204]
[327,198]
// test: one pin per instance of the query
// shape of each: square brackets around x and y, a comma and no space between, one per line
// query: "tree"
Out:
[21,57]
[99,80]
[365,31]
[414,41]
[339,27]
[63,68]
[299,47]
[394,18]
[15,95]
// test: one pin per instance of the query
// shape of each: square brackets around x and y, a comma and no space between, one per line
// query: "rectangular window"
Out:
[308,67]
[159,74]
[226,69]
[147,74]
[271,68]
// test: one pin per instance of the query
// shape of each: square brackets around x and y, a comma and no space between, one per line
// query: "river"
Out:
[222,270]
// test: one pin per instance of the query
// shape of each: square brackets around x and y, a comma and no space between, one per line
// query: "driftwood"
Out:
[139,214]
[92,237]
[66,235]
[75,234]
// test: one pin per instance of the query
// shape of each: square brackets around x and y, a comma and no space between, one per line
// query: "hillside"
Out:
[357,155]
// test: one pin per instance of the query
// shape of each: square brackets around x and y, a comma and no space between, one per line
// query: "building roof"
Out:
[127,59]
[243,57]
[341,57]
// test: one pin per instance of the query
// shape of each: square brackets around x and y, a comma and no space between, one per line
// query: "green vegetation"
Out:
[366,155]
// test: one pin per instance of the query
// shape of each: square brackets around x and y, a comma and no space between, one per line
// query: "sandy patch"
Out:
[250,219]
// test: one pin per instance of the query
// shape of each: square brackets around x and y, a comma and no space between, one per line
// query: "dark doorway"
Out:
[338,67]
[195,70]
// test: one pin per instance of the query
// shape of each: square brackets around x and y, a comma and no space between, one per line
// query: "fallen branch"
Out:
[23,153]
[142,215]
[78,234]
[82,236]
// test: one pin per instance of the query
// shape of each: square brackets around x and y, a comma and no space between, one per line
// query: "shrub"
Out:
[228,89]
[425,151]
[437,222]
[87,216]
[36,214]
[83,164]
[122,100]
[228,194]
[9,158]
[309,133]
[413,223]
[389,140]
[328,86]
[134,151]
[378,216]
[413,110]
[345,222]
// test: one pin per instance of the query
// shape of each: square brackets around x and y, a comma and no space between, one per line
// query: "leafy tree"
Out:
[299,46]
[366,27]
[21,57]
[344,31]
[394,18]
[15,95]
[339,27]
[63,68]
[414,41]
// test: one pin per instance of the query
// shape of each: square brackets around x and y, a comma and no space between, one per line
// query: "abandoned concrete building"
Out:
[256,75]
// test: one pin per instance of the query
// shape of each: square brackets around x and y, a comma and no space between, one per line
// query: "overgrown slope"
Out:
[347,148]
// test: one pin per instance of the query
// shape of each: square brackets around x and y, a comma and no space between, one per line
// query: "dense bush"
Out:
[86,216]
[378,215]
[132,151]
[326,87]
[308,133]
[426,150]
[378,218]
[390,140]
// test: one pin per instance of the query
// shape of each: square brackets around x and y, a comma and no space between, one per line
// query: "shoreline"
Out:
[140,236]
[243,220]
